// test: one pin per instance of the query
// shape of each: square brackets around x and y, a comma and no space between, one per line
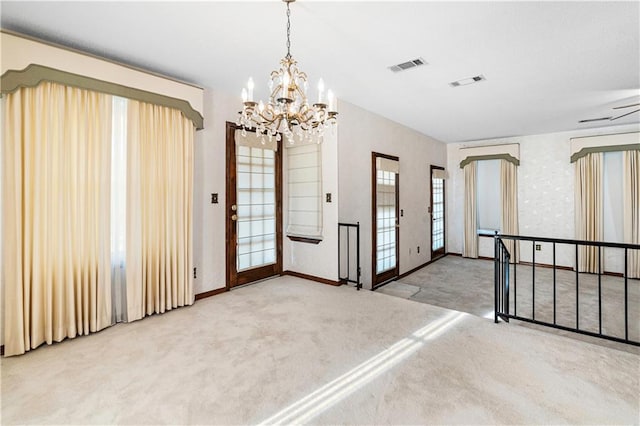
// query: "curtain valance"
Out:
[34,74]
[603,143]
[509,152]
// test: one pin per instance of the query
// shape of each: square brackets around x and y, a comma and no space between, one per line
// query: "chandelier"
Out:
[287,112]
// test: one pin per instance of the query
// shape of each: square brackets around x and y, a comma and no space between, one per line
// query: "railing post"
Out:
[533,285]
[348,253]
[599,290]
[496,277]
[339,257]
[554,283]
[515,277]
[359,283]
[577,291]
[626,296]
[505,287]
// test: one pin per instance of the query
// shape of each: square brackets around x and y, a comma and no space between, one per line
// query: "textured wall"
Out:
[545,192]
[210,176]
[362,132]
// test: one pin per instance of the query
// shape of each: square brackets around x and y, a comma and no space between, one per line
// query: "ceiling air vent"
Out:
[466,81]
[407,65]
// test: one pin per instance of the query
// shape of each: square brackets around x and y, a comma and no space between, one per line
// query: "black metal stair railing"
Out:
[502,260]
[346,257]
[505,271]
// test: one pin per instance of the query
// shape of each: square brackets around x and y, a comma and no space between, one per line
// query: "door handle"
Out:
[234,207]
[234,217]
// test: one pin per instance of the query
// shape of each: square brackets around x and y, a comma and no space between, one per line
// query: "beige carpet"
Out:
[292,351]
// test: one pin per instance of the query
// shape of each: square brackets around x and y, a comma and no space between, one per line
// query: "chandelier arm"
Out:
[274,93]
[302,95]
[303,116]
[267,120]
[322,115]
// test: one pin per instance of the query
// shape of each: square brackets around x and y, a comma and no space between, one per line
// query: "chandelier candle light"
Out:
[288,111]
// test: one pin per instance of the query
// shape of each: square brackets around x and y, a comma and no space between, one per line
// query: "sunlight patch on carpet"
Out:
[318,401]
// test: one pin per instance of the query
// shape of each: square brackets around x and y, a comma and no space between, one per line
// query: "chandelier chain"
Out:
[288,31]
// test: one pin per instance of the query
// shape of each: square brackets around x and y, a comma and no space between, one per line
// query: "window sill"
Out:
[308,240]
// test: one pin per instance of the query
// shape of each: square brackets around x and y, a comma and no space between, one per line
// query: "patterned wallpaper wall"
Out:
[545,192]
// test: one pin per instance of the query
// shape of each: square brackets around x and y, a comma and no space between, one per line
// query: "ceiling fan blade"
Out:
[623,115]
[626,106]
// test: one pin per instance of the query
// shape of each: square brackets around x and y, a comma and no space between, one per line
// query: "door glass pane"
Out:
[386,221]
[256,208]
[437,225]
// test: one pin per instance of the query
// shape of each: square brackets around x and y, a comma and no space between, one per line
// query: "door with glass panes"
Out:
[437,210]
[254,207]
[386,218]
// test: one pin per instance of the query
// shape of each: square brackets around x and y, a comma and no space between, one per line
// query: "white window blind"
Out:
[305,190]
[488,195]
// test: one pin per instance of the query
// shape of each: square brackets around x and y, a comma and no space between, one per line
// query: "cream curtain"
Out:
[509,206]
[631,187]
[470,248]
[159,209]
[588,209]
[55,215]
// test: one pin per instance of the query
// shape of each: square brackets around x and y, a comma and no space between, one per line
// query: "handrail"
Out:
[568,241]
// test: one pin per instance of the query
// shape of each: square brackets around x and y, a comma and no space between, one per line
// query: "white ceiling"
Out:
[547,64]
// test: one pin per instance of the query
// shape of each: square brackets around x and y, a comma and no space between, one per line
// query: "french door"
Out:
[437,211]
[254,208]
[385,215]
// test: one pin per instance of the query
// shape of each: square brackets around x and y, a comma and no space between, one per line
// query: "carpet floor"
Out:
[290,351]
